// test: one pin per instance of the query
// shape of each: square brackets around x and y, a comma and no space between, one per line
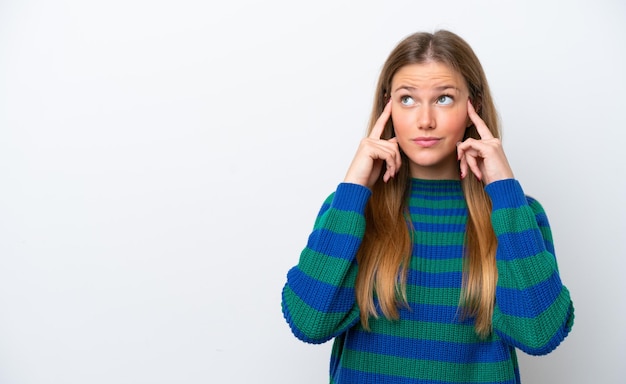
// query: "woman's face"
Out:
[429,114]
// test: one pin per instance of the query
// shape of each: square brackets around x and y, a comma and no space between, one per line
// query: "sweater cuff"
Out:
[506,193]
[351,197]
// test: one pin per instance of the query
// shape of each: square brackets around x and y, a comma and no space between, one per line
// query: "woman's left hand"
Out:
[485,157]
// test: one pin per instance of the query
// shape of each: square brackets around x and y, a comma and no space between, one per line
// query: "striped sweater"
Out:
[430,343]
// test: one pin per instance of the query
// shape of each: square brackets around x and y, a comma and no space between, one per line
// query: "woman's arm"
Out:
[533,311]
[318,299]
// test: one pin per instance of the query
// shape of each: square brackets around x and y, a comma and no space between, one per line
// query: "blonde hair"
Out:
[385,253]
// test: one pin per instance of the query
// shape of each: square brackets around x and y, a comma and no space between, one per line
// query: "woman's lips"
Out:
[426,141]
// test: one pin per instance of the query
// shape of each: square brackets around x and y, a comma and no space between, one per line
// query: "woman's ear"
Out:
[477,105]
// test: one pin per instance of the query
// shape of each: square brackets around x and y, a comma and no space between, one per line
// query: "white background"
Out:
[162,162]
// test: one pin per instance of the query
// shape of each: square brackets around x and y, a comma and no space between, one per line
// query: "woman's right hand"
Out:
[372,153]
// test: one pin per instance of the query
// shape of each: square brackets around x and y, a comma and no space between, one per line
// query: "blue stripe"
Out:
[447,212]
[542,222]
[443,351]
[447,314]
[334,244]
[528,237]
[542,219]
[351,197]
[549,247]
[435,280]
[345,375]
[333,299]
[439,228]
[438,252]
[506,194]
[512,301]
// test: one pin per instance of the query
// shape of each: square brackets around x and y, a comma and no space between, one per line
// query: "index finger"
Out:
[481,127]
[379,126]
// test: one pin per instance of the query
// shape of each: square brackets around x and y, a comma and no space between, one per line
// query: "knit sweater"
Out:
[430,343]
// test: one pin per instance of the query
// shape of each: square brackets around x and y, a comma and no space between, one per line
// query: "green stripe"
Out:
[427,369]
[545,229]
[439,266]
[313,323]
[329,270]
[435,192]
[433,296]
[453,333]
[541,267]
[513,220]
[437,204]
[432,219]
[342,222]
[438,238]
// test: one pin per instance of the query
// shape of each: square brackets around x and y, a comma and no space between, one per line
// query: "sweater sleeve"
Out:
[318,300]
[533,310]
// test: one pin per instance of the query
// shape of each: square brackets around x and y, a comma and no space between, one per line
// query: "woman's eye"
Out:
[407,100]
[444,100]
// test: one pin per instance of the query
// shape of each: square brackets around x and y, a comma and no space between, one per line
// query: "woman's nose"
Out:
[425,118]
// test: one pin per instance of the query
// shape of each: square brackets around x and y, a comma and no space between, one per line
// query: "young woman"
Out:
[428,264]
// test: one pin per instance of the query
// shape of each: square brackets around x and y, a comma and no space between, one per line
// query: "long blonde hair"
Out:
[385,253]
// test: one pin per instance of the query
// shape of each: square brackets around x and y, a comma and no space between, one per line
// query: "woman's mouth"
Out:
[426,142]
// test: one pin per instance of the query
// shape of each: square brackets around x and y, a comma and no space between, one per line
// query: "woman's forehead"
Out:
[427,75]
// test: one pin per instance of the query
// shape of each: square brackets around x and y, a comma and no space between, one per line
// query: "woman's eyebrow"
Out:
[405,87]
[438,88]
[447,87]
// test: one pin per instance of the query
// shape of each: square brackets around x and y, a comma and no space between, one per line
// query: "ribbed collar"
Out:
[435,187]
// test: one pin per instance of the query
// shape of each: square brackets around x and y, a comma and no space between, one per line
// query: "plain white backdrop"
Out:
[162,162]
